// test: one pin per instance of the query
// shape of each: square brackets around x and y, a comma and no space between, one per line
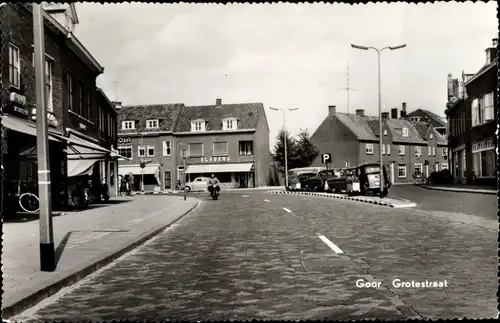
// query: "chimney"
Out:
[491,53]
[332,110]
[450,86]
[218,101]
[403,110]
[385,115]
[360,112]
[117,105]
[394,113]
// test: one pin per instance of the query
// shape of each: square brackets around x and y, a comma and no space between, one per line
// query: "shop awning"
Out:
[80,167]
[79,148]
[219,168]
[23,126]
[150,169]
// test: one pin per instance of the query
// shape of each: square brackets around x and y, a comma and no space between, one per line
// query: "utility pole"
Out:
[47,252]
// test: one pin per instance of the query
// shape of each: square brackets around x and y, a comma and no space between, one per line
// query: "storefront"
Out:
[231,175]
[483,161]
[143,179]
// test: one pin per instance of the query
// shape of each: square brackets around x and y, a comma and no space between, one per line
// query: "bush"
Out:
[441,177]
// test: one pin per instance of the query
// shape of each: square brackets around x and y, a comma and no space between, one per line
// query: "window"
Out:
[14,66]
[220,149]
[229,124]
[88,113]
[48,86]
[383,149]
[141,151]
[433,151]
[418,151]
[151,151]
[70,89]
[402,171]
[475,112]
[388,149]
[401,149]
[488,107]
[245,147]
[110,123]
[444,166]
[101,119]
[429,151]
[167,148]
[195,150]
[483,158]
[125,151]
[198,125]
[369,149]
[385,132]
[128,125]
[418,169]
[443,152]
[404,132]
[81,99]
[151,124]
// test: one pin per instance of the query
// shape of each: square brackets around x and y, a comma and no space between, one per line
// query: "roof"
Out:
[481,71]
[247,115]
[434,117]
[167,115]
[358,125]
[440,139]
[395,126]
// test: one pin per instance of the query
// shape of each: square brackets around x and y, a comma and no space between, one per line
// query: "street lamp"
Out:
[379,107]
[286,139]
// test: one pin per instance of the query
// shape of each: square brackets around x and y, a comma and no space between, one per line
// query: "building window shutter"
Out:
[220,149]
[196,149]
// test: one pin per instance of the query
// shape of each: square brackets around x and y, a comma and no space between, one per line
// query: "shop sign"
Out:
[483,145]
[51,118]
[18,99]
[126,140]
[215,159]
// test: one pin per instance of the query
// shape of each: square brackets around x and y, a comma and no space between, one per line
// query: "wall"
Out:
[333,137]
[261,149]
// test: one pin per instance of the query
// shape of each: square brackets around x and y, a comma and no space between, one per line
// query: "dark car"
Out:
[317,183]
[441,177]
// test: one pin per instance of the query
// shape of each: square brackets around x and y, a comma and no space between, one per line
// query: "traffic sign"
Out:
[143,165]
[326,158]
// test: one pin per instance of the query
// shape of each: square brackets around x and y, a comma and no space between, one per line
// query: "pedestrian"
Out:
[123,185]
[130,181]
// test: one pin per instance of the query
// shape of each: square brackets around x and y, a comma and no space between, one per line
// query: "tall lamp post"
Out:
[379,107]
[285,143]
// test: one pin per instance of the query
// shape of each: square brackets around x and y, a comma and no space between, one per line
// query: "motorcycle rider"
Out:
[213,183]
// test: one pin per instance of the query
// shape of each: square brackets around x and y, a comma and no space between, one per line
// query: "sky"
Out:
[286,55]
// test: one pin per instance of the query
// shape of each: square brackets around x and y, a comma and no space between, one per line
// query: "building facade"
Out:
[18,99]
[471,113]
[353,139]
[228,140]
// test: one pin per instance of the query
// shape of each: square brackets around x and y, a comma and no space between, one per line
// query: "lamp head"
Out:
[359,47]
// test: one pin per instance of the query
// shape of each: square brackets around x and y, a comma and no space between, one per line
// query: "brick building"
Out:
[230,140]
[74,145]
[353,139]
[471,112]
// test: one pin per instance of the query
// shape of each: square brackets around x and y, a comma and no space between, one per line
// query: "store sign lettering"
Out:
[483,145]
[21,110]
[18,99]
[214,159]
[124,140]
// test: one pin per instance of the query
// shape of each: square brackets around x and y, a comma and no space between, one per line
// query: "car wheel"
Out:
[187,189]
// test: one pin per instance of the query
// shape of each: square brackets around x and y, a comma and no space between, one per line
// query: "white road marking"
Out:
[245,196]
[330,244]
[267,201]
[287,210]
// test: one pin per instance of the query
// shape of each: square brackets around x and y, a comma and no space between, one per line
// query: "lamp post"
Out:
[379,106]
[285,143]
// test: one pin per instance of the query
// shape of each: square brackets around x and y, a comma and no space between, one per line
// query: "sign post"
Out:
[47,251]
[326,159]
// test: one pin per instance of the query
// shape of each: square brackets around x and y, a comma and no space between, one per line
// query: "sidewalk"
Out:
[85,241]
[387,201]
[462,188]
[260,188]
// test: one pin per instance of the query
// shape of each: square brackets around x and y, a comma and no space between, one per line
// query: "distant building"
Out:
[425,115]
[471,113]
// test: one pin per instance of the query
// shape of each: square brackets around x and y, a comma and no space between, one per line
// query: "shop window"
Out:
[141,151]
[402,171]
[220,149]
[14,66]
[195,149]
[125,151]
[167,148]
[151,151]
[401,150]
[369,149]
[245,147]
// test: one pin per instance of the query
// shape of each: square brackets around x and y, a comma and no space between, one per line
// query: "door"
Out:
[180,173]
[168,180]
[243,180]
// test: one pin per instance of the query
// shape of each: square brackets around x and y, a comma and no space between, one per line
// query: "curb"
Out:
[33,299]
[357,199]
[459,190]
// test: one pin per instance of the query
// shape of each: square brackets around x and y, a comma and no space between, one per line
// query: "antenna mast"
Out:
[348,89]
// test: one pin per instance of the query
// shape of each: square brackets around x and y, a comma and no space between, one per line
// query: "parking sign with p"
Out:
[326,158]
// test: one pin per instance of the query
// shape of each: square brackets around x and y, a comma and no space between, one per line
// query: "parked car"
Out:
[198,184]
[441,177]
[317,183]
[369,179]
[293,176]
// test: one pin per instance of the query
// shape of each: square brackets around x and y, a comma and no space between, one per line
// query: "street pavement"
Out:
[254,255]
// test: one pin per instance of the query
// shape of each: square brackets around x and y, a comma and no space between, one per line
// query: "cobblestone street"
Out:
[259,256]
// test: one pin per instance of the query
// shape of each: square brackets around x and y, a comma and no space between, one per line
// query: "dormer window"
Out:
[152,124]
[230,124]
[127,125]
[198,125]
[405,132]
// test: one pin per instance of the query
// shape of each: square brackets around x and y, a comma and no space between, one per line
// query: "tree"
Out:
[279,149]
[306,151]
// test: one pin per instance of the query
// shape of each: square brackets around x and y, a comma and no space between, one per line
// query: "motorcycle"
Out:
[214,193]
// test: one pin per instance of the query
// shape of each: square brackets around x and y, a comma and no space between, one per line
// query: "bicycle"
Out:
[419,179]
[28,201]
[80,197]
